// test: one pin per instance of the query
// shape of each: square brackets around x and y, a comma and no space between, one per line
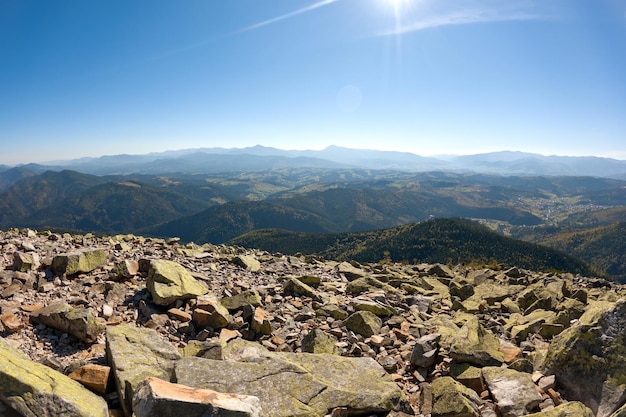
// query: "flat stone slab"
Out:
[296,384]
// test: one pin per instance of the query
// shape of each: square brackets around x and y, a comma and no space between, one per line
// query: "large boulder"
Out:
[169,281]
[33,389]
[77,262]
[78,322]
[452,399]
[135,354]
[477,345]
[569,409]
[295,384]
[514,392]
[589,359]
[364,323]
[157,398]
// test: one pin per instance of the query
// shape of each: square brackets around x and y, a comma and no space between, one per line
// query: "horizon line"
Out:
[436,156]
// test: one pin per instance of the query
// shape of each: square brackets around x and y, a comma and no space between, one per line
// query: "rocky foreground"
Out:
[124,325]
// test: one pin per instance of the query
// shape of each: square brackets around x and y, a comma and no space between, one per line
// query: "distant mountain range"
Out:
[260,158]
[215,195]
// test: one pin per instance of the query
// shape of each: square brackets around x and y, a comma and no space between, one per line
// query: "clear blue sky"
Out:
[87,78]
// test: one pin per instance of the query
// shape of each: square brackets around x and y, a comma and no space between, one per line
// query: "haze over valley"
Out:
[224,195]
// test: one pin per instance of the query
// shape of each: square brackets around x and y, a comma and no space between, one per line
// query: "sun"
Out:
[397,4]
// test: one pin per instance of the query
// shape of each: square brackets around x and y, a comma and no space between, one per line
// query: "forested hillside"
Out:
[439,240]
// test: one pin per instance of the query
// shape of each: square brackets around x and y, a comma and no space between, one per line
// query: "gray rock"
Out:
[135,354]
[350,271]
[475,344]
[25,262]
[237,302]
[364,323]
[569,409]
[452,399]
[209,312]
[425,350]
[290,384]
[248,262]
[157,398]
[77,262]
[378,308]
[295,286]
[318,341]
[125,269]
[78,322]
[169,281]
[589,359]
[514,392]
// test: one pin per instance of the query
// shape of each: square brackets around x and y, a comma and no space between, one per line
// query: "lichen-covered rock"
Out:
[77,262]
[169,281]
[33,389]
[295,286]
[135,354]
[124,269]
[589,359]
[452,399]
[260,322]
[290,384]
[25,262]
[332,310]
[378,308]
[157,398]
[569,409]
[468,375]
[368,284]
[475,344]
[364,323]
[514,392]
[248,262]
[350,271]
[78,322]
[209,312]
[536,297]
[531,323]
[425,350]
[237,302]
[318,341]
[568,310]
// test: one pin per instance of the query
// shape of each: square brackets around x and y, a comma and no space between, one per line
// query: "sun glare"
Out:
[397,4]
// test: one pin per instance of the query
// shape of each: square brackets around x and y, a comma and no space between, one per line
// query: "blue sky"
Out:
[86,78]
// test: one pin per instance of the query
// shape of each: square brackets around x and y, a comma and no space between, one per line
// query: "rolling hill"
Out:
[434,241]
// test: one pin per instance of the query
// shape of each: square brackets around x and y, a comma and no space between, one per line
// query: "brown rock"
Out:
[260,322]
[227,334]
[95,377]
[510,351]
[178,314]
[157,398]
[11,322]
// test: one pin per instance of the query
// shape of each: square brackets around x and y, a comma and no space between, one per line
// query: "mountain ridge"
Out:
[208,160]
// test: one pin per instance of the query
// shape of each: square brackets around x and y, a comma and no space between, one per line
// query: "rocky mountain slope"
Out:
[123,324]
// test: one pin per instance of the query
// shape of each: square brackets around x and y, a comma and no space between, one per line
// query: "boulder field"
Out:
[126,325]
